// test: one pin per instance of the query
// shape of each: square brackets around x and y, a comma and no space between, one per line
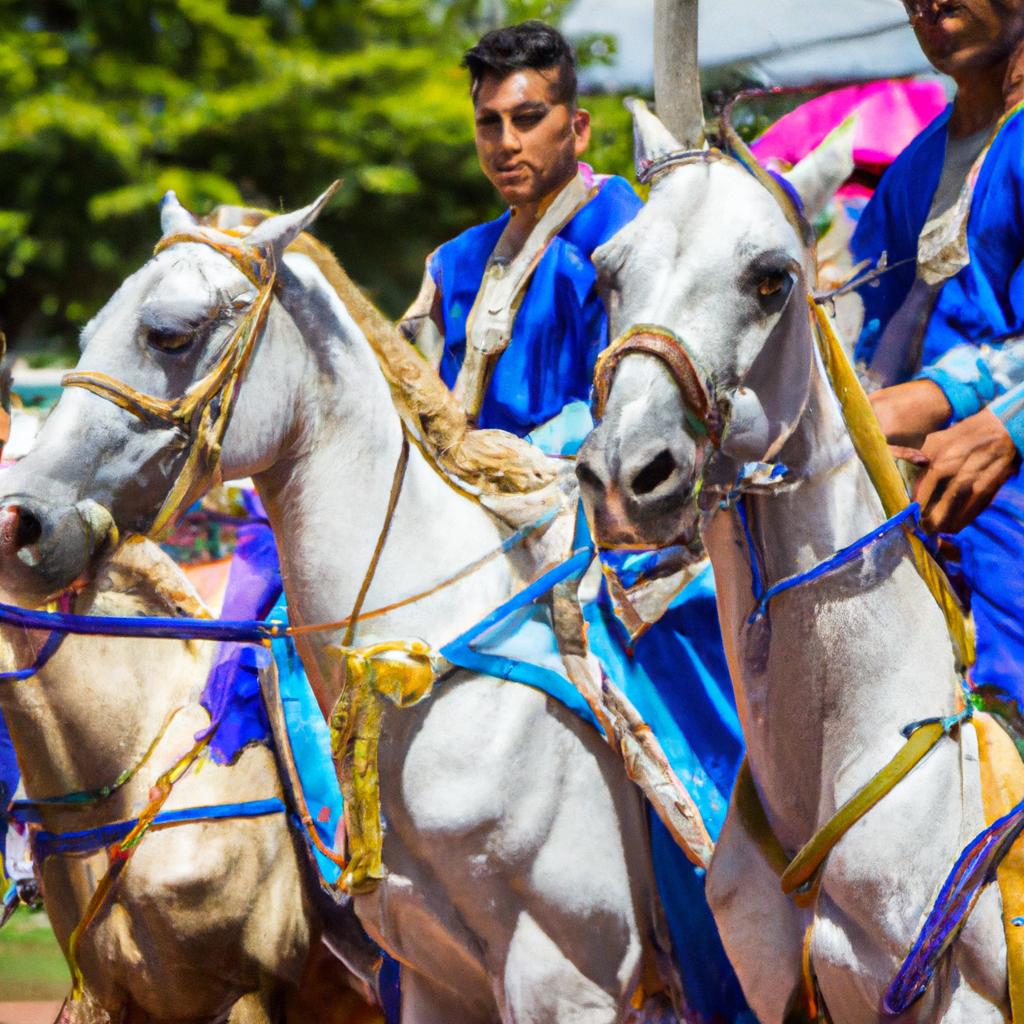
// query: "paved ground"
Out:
[28,1013]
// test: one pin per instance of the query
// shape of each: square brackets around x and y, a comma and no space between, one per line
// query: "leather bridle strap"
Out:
[696,387]
[157,411]
[378,550]
[200,416]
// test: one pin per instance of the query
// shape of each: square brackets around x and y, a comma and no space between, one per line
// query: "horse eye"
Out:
[771,284]
[773,289]
[168,340]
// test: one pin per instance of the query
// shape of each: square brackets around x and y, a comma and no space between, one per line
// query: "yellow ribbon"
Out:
[402,672]
[873,450]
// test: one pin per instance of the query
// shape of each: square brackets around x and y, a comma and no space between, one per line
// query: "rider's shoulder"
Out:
[475,244]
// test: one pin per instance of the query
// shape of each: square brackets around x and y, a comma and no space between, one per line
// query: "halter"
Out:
[703,417]
[201,416]
[704,403]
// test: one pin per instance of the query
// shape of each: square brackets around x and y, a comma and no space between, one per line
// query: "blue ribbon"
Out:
[842,557]
[975,868]
[46,844]
[48,650]
[574,566]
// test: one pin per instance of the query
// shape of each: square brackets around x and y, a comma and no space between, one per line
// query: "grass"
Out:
[31,963]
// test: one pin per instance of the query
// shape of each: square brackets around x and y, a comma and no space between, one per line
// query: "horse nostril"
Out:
[655,473]
[29,529]
[587,477]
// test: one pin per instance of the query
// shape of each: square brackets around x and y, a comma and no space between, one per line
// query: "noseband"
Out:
[201,416]
[703,404]
[703,418]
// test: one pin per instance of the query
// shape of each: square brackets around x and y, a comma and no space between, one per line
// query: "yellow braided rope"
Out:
[874,452]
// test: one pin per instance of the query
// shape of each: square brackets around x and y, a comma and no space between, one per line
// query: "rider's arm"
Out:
[973,376]
[988,376]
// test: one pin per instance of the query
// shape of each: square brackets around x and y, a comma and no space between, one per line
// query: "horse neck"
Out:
[835,664]
[97,704]
[328,497]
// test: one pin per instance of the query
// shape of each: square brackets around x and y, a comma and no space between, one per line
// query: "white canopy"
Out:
[782,42]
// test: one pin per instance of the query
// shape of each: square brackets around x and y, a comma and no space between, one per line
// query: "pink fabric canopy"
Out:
[889,114]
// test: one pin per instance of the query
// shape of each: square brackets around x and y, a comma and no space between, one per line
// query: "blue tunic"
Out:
[677,673]
[561,325]
[982,305]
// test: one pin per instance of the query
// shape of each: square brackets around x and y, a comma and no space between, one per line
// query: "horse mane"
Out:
[138,572]
[489,461]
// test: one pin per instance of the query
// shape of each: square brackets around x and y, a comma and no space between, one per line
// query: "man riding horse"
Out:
[943,324]
[510,315]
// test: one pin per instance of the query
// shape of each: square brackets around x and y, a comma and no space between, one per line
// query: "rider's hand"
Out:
[909,412]
[968,463]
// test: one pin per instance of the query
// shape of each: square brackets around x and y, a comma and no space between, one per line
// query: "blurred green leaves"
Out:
[105,106]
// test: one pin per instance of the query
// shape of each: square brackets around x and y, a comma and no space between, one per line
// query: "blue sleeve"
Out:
[973,376]
[1010,409]
[964,378]
[974,346]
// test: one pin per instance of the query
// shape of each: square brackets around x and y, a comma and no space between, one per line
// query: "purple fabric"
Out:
[974,869]
[232,693]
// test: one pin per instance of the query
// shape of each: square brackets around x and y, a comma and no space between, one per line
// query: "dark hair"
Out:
[531,44]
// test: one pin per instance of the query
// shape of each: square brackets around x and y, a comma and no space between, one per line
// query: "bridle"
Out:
[200,417]
[706,405]
[703,416]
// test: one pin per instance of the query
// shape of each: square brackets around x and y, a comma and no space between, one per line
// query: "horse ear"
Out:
[825,169]
[651,139]
[279,232]
[173,216]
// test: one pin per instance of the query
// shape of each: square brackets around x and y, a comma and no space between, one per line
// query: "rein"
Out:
[239,630]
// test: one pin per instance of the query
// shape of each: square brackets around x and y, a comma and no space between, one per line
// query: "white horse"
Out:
[517,883]
[830,673]
[212,920]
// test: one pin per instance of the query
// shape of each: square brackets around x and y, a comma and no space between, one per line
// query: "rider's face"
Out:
[959,36]
[528,142]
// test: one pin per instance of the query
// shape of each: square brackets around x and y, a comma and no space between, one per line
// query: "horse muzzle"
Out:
[45,547]
[638,495]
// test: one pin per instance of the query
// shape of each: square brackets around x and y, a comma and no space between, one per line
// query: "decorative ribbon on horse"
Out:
[403,672]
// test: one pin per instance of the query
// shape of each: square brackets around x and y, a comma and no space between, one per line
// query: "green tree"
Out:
[105,106]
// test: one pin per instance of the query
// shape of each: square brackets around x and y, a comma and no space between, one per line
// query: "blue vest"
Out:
[561,325]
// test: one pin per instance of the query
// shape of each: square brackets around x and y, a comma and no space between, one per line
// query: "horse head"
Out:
[155,413]
[711,367]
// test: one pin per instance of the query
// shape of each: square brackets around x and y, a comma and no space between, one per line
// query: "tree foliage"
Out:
[105,106]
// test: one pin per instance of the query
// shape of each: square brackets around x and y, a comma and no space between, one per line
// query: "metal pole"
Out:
[676,76]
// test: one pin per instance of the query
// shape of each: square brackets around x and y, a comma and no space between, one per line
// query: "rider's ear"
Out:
[651,139]
[174,218]
[279,232]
